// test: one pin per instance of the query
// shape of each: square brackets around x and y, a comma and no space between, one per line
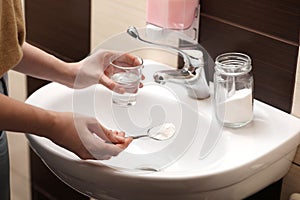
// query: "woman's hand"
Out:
[80,134]
[86,137]
[92,70]
[97,69]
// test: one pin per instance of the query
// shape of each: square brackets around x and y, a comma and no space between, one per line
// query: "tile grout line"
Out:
[249,29]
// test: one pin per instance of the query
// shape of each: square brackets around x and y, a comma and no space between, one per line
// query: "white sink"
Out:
[202,161]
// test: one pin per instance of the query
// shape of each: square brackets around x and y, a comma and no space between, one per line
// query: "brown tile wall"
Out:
[266,30]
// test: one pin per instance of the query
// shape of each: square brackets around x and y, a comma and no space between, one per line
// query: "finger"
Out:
[126,143]
[113,150]
[119,139]
[106,157]
[136,61]
[85,155]
[121,133]
[115,138]
[110,136]
[104,133]
[141,85]
[109,71]
[103,151]
[110,84]
[127,60]
[107,82]
[99,130]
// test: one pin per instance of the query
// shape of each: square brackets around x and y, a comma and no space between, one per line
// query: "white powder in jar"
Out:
[238,108]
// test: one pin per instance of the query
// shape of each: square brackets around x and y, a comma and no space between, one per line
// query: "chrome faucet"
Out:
[192,75]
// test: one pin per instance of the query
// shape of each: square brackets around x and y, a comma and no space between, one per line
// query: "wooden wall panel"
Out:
[279,19]
[60,27]
[274,59]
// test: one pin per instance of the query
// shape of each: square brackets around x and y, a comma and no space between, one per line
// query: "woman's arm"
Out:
[71,131]
[92,70]
[20,117]
[39,64]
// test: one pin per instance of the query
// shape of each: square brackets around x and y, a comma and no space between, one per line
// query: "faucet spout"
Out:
[133,32]
[192,75]
[196,85]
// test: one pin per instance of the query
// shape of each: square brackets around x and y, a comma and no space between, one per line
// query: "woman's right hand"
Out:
[83,135]
[86,137]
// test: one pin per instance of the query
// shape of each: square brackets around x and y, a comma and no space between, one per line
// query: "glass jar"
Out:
[233,89]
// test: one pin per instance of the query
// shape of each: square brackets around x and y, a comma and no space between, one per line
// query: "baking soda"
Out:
[238,108]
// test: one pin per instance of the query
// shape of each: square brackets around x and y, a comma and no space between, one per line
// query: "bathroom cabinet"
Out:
[291,182]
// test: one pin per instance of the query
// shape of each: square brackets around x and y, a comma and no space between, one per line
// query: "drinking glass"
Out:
[128,77]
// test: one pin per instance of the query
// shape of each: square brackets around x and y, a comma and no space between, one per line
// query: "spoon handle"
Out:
[138,136]
[133,137]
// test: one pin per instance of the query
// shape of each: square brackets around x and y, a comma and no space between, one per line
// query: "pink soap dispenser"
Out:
[179,15]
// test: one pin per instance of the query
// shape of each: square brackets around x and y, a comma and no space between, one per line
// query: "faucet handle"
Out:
[196,58]
[175,76]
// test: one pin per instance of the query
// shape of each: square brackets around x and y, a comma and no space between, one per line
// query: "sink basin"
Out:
[202,161]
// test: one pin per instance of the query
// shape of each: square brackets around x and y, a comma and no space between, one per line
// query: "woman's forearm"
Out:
[61,129]
[20,117]
[39,64]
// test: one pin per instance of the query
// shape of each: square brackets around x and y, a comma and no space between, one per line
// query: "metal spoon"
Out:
[160,132]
